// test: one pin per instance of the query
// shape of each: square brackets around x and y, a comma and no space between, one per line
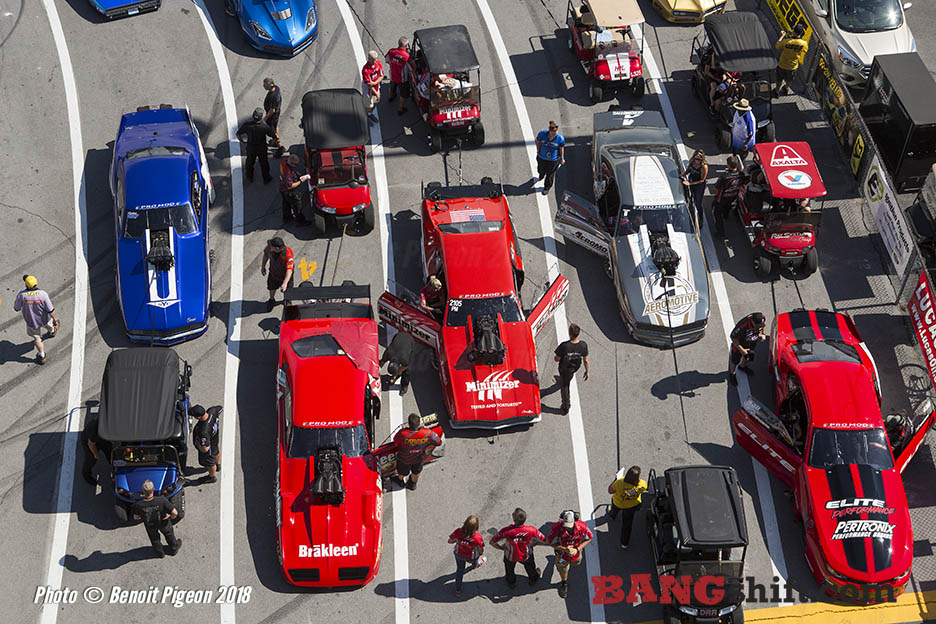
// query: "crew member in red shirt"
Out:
[280,258]
[469,547]
[397,58]
[372,75]
[518,542]
[413,442]
[568,537]
[432,297]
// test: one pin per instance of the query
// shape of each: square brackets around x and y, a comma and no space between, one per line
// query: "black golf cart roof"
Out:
[138,395]
[912,83]
[447,49]
[740,42]
[334,118]
[706,504]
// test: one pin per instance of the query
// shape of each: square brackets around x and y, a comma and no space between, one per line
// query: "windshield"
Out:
[316,346]
[655,217]
[833,447]
[156,150]
[825,351]
[340,167]
[696,569]
[305,442]
[181,218]
[860,16]
[460,309]
[471,227]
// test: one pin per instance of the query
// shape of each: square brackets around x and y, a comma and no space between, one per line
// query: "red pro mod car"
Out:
[483,340]
[826,440]
[328,487]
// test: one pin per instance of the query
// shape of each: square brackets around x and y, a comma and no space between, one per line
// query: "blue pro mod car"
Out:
[112,9]
[283,27]
[162,190]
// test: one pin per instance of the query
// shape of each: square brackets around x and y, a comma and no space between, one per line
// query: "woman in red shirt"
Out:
[469,546]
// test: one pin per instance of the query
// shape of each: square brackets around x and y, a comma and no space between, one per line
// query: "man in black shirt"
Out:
[272,104]
[570,355]
[254,135]
[744,338]
[726,193]
[157,513]
[399,354]
[95,447]
[206,439]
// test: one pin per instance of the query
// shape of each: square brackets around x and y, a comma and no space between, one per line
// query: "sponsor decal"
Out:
[150,206]
[858,506]
[840,109]
[850,529]
[468,214]
[775,456]
[673,296]
[513,404]
[797,235]
[795,179]
[454,304]
[407,322]
[889,217]
[491,387]
[328,423]
[920,309]
[559,289]
[327,550]
[786,156]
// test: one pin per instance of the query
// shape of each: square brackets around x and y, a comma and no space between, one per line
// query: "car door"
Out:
[762,434]
[578,221]
[408,318]
[547,304]
[913,445]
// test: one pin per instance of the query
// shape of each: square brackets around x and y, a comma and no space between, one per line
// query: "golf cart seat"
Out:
[588,39]
[588,18]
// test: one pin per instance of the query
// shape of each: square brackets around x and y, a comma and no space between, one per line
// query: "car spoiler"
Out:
[306,292]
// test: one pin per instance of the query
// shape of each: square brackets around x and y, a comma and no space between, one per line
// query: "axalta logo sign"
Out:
[786,156]
[327,550]
[491,387]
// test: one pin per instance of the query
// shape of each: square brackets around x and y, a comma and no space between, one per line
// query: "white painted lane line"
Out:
[49,613]
[229,416]
[576,424]
[761,477]
[384,219]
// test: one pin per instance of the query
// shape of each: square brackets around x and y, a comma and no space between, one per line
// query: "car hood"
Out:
[865,46]
[132,478]
[862,521]
[289,30]
[343,198]
[694,5]
[685,298]
[163,301]
[493,393]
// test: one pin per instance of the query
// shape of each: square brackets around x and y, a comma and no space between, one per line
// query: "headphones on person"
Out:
[576,515]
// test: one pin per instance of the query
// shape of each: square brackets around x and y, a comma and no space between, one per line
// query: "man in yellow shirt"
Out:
[626,493]
[792,52]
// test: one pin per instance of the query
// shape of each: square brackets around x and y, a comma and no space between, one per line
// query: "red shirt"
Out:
[280,263]
[412,444]
[579,534]
[397,58]
[518,541]
[373,72]
[467,547]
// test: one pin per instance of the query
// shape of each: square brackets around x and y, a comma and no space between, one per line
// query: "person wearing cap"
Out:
[372,75]
[744,338]
[38,312]
[412,442]
[291,179]
[792,52]
[432,297]
[550,154]
[397,58]
[568,537]
[399,354]
[206,438]
[157,513]
[272,104]
[743,129]
[518,540]
[253,134]
[280,258]
[626,493]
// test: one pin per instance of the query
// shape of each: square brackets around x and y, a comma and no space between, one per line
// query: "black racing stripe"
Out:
[802,326]
[841,486]
[828,325]
[872,486]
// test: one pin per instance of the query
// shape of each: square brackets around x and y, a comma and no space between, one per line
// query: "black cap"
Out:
[197,411]
[799,30]
[758,318]
[276,241]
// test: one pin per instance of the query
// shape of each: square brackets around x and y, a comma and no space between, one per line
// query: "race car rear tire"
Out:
[370,218]
[762,265]
[435,140]
[318,224]
[723,138]
[122,512]
[595,93]
[811,262]
[477,134]
[638,86]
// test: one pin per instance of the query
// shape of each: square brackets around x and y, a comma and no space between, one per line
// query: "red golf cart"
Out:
[334,123]
[611,54]
[779,221]
[446,84]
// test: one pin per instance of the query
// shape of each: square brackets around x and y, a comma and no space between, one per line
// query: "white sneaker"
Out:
[481,561]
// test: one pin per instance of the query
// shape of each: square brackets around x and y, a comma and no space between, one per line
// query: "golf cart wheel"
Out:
[671,615]
[122,512]
[595,93]
[318,223]
[435,140]
[770,133]
[762,265]
[638,86]
[477,134]
[370,218]
[487,180]
[738,616]
[811,261]
[723,138]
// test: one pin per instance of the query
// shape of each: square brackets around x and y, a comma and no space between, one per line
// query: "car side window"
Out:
[196,194]
[822,4]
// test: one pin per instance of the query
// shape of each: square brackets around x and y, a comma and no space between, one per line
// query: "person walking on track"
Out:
[568,537]
[744,338]
[372,75]
[291,179]
[272,104]
[280,258]
[792,52]
[550,154]
[469,550]
[397,58]
[413,442]
[695,177]
[399,354]
[253,134]
[207,438]
[518,542]
[625,499]
[38,313]
[570,355]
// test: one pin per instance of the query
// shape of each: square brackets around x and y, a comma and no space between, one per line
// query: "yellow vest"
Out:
[792,53]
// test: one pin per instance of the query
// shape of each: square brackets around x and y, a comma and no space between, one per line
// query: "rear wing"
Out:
[346,301]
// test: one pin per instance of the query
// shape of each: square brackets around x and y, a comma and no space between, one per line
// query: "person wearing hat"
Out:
[372,75]
[432,297]
[792,52]
[206,438]
[743,129]
[280,258]
[291,179]
[398,354]
[253,134]
[744,338]
[550,154]
[38,312]
[272,104]
[568,537]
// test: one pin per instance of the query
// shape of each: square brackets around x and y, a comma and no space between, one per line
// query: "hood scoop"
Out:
[328,482]
[160,253]
[665,258]
[489,349]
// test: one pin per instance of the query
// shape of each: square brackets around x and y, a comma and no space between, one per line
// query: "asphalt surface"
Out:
[649,407]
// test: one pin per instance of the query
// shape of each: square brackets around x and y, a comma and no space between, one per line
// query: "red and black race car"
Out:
[827,441]
[483,339]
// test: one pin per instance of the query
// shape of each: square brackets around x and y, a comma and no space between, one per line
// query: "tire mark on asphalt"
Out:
[19,16]
[314,57]
[70,239]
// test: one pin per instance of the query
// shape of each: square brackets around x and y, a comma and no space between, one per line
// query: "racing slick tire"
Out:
[769,132]
[435,140]
[122,511]
[638,86]
[723,138]
[762,265]
[811,262]
[595,93]
[369,220]
[477,134]
[318,223]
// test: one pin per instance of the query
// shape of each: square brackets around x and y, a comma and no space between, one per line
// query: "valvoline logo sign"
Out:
[795,179]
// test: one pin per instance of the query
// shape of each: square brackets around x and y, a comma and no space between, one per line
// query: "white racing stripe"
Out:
[761,477]
[232,358]
[579,450]
[400,527]
[49,612]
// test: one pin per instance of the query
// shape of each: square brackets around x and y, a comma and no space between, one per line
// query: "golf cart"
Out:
[781,231]
[736,43]
[334,123]
[600,34]
[446,84]
[144,415]
[696,528]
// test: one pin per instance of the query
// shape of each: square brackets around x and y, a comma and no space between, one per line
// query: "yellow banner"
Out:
[789,14]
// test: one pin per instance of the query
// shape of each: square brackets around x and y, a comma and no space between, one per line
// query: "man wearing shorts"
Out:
[568,537]
[38,312]
[206,438]
[413,442]
[280,258]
